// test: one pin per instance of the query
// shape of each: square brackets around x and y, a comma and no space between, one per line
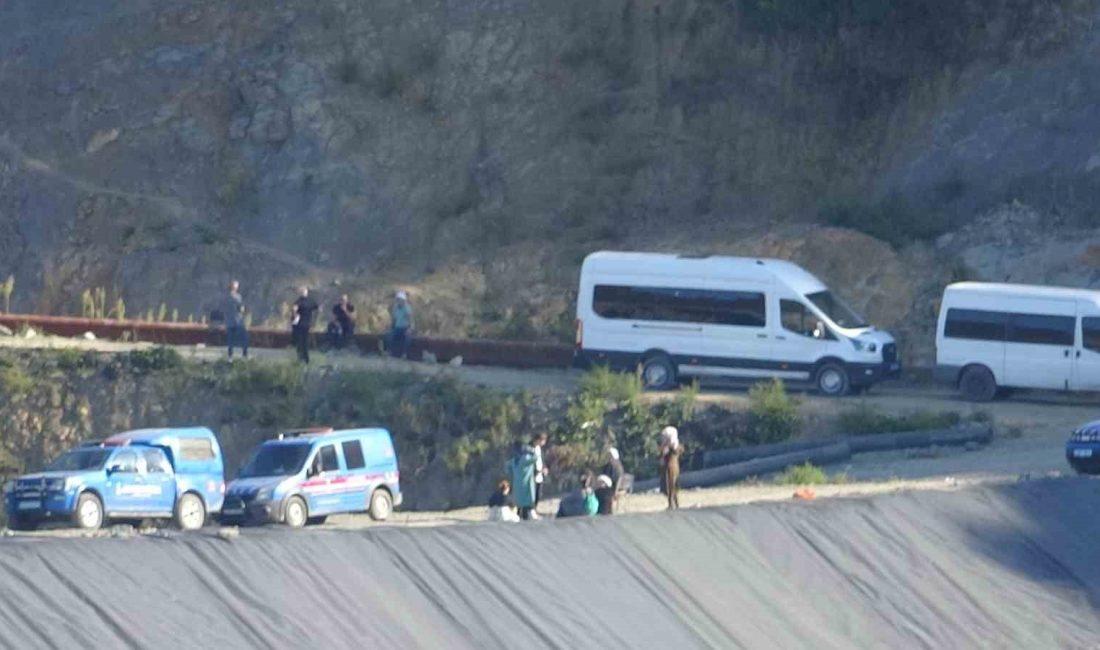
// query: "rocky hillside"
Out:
[474,151]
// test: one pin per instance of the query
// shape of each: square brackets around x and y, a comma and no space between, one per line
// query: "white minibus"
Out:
[676,316]
[995,336]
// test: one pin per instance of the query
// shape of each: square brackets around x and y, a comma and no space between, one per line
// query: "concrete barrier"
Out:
[765,459]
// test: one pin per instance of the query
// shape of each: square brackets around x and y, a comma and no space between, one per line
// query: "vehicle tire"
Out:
[658,373]
[190,512]
[316,521]
[88,514]
[381,505]
[832,380]
[296,513]
[977,384]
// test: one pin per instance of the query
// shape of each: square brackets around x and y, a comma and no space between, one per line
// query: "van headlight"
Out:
[264,494]
[73,482]
[55,484]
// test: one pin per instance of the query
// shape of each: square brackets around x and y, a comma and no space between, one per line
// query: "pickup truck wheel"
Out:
[190,512]
[88,514]
[381,505]
[297,513]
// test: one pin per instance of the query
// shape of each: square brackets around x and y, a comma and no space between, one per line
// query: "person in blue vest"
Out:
[520,468]
[401,323]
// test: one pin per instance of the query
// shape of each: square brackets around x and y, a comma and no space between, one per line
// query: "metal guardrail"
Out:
[516,354]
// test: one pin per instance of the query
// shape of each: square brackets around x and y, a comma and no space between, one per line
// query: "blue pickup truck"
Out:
[145,474]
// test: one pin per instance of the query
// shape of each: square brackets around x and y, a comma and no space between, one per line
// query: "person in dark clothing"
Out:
[614,467]
[304,309]
[344,312]
[581,502]
[605,495]
[502,507]
[670,451]
[334,335]
[236,334]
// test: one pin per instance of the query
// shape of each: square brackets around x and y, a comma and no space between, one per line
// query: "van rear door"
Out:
[1039,346]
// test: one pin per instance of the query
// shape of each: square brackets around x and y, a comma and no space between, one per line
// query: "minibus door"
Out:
[1040,350]
[800,339]
[1086,361]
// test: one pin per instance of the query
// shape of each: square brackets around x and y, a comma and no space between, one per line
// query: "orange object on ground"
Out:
[805,493]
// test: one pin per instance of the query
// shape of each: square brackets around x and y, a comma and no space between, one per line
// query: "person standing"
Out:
[670,450]
[304,309]
[605,495]
[537,444]
[615,471]
[236,334]
[401,323]
[344,312]
[521,469]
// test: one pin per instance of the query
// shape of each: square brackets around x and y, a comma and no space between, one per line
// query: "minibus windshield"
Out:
[836,310]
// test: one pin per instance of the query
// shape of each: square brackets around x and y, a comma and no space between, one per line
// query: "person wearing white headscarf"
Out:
[670,451]
[614,467]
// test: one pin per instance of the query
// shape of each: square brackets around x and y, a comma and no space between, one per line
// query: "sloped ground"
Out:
[1008,566]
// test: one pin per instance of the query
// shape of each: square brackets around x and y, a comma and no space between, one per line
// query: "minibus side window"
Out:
[796,318]
[1041,329]
[742,308]
[975,324]
[1090,332]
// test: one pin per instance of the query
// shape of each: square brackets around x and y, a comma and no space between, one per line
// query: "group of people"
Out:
[339,333]
[518,495]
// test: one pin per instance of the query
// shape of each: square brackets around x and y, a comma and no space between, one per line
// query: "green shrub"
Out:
[809,474]
[14,381]
[863,419]
[253,377]
[773,414]
[73,359]
[892,221]
[156,359]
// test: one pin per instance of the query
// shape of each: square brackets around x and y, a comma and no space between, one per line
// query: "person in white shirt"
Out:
[537,443]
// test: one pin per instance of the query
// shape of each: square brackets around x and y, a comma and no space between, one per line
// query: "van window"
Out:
[836,309]
[683,305]
[155,462]
[1041,329]
[328,458]
[975,324]
[1090,333]
[353,455]
[796,318]
[125,462]
[196,449]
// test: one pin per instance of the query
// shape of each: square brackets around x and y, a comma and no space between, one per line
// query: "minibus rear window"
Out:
[745,308]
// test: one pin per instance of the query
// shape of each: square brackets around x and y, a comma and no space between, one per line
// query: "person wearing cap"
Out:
[401,323]
[605,495]
[304,309]
[670,451]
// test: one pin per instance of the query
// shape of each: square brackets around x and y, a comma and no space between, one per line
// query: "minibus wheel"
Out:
[832,380]
[658,373]
[977,384]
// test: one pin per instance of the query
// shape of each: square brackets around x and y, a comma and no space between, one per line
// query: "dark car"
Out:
[1083,449]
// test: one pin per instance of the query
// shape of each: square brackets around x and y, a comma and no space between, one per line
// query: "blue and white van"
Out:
[302,477]
[145,474]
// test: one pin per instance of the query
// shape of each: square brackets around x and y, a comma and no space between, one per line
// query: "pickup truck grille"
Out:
[890,353]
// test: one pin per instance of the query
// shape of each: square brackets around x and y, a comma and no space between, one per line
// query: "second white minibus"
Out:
[995,336]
